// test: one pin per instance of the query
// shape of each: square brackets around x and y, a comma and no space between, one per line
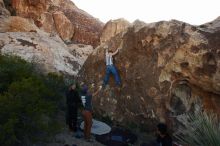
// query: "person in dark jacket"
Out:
[163,138]
[73,101]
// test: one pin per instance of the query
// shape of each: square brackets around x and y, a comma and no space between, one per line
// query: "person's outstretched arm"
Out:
[115,52]
[95,93]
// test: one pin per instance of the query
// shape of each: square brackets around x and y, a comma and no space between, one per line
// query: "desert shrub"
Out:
[12,69]
[29,102]
[199,129]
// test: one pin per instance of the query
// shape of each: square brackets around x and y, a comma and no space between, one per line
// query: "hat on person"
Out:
[84,89]
[162,128]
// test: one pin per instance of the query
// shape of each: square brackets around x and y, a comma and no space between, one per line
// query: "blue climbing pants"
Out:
[111,69]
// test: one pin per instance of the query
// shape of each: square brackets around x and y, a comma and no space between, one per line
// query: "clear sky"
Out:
[195,12]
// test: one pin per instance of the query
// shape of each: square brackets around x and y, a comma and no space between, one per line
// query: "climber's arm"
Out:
[115,52]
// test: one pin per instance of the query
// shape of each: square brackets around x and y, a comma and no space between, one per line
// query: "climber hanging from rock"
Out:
[110,67]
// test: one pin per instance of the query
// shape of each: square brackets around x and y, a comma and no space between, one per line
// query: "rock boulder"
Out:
[66,17]
[167,69]
[17,24]
[112,28]
[63,26]
[50,54]
[87,29]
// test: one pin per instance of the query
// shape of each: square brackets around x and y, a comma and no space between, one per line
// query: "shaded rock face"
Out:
[71,23]
[167,69]
[3,10]
[112,28]
[50,54]
[211,26]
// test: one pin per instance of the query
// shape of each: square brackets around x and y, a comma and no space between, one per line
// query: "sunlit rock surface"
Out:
[40,32]
[72,23]
[50,54]
[63,26]
[112,28]
[17,24]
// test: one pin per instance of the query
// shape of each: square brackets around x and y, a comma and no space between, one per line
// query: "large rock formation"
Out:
[72,23]
[63,26]
[112,28]
[50,54]
[167,69]
[87,28]
[47,23]
[32,34]
[17,24]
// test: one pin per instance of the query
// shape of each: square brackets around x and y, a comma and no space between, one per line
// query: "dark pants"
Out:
[111,69]
[87,116]
[72,118]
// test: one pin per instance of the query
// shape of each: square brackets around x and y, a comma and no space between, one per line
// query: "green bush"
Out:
[13,69]
[28,102]
[200,129]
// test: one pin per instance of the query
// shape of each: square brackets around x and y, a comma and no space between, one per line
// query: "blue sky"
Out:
[195,12]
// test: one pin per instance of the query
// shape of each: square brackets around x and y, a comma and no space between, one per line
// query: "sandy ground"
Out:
[67,137]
